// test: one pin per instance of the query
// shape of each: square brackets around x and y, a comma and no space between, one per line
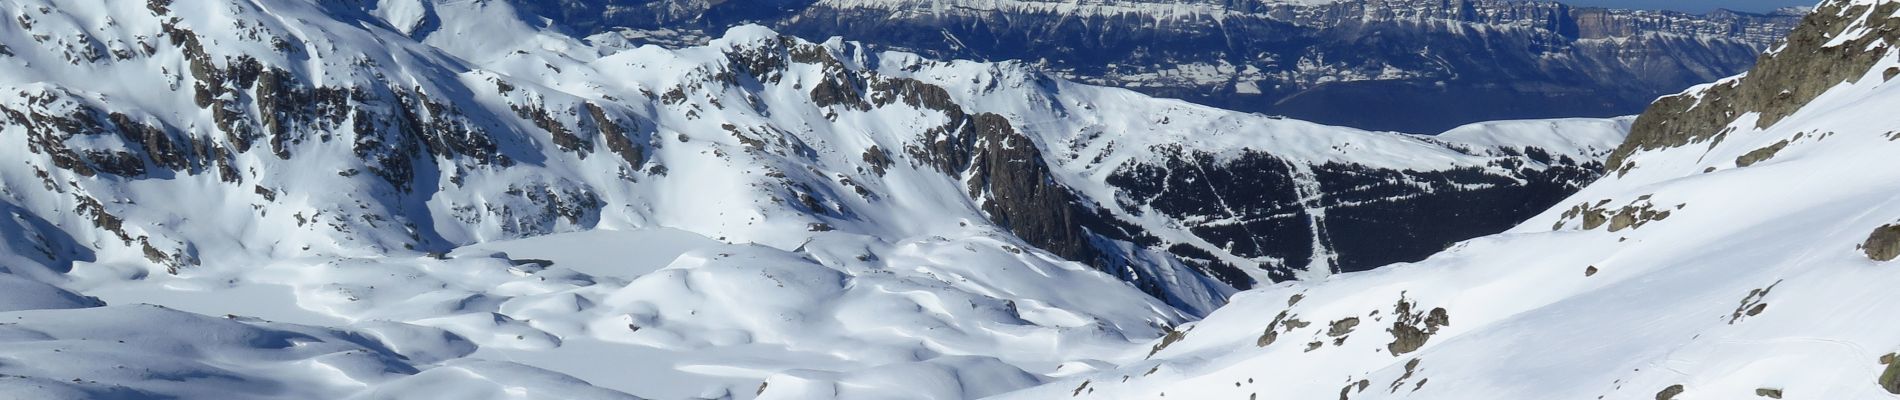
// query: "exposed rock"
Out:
[1272,332]
[1669,393]
[1883,244]
[877,160]
[1762,154]
[1769,393]
[1635,215]
[617,136]
[1411,367]
[1410,330]
[1753,304]
[1167,340]
[564,138]
[1267,338]
[1354,387]
[1780,83]
[1890,378]
[1342,327]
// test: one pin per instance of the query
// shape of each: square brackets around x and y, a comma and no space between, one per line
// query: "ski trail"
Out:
[1306,186]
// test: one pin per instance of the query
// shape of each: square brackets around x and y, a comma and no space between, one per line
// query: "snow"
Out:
[407,16]
[1755,280]
[1558,136]
[565,274]
[600,252]
[150,351]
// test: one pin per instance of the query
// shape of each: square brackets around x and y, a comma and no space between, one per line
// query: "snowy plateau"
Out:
[457,199]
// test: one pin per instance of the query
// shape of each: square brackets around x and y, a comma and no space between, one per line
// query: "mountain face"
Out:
[1428,65]
[456,195]
[414,148]
[1743,248]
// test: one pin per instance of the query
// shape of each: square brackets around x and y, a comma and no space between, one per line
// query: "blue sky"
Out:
[1696,5]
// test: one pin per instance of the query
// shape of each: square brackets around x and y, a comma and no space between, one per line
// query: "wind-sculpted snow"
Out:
[759,217]
[1745,258]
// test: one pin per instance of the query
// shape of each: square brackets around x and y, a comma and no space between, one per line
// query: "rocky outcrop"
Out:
[1890,377]
[1412,328]
[1883,244]
[1840,42]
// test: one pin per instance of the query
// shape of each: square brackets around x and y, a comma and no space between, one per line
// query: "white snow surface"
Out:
[697,273]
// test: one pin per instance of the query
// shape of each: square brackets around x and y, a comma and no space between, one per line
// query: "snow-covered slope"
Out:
[1744,249]
[445,194]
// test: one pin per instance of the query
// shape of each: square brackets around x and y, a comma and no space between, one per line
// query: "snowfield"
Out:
[298,199]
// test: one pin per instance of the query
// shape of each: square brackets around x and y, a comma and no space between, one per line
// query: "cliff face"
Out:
[1426,65]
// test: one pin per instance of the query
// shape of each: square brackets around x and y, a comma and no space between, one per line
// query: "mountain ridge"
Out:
[1499,59]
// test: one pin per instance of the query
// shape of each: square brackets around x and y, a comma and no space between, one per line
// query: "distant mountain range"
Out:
[1417,66]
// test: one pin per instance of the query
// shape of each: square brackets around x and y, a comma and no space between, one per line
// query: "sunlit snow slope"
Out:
[449,200]
[1743,249]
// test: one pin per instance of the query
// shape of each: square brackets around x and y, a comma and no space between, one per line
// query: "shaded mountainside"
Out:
[1743,248]
[1426,65]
